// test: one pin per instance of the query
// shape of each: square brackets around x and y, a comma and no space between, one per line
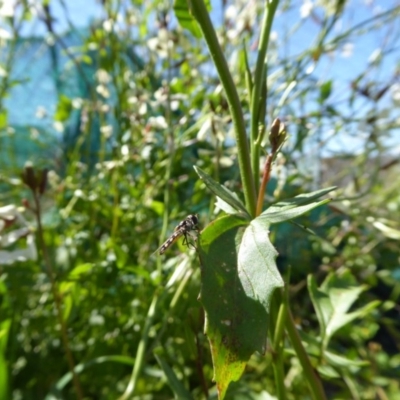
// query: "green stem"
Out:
[280,324]
[259,80]
[199,11]
[57,297]
[141,350]
[313,380]
[277,341]
[170,160]
[279,374]
[140,353]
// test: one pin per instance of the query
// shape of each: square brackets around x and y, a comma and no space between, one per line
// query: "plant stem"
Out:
[57,297]
[277,347]
[140,353]
[313,380]
[279,374]
[280,323]
[199,11]
[259,81]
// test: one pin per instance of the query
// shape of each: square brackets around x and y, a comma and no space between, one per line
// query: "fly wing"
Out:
[169,242]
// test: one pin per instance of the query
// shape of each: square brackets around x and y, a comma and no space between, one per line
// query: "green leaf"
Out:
[325,91]
[332,301]
[386,229]
[79,270]
[3,119]
[70,289]
[64,108]
[158,207]
[245,68]
[176,386]
[221,191]
[343,362]
[293,208]
[224,206]
[5,325]
[321,302]
[238,278]
[328,372]
[185,18]
[256,263]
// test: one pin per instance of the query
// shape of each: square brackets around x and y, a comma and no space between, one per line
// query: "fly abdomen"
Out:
[170,241]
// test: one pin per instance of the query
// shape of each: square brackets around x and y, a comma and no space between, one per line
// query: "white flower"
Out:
[41,112]
[58,126]
[158,122]
[77,103]
[103,91]
[231,12]
[7,8]
[107,131]
[395,92]
[347,50]
[306,8]
[5,35]
[108,25]
[375,56]
[96,318]
[125,150]
[103,76]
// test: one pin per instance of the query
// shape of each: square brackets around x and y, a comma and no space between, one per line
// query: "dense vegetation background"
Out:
[138,103]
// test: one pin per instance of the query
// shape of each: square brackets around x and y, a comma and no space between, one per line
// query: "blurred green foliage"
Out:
[145,107]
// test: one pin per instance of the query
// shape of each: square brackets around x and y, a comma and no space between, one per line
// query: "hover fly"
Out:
[190,223]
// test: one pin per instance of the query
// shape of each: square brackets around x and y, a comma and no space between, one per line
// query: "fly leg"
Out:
[189,241]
